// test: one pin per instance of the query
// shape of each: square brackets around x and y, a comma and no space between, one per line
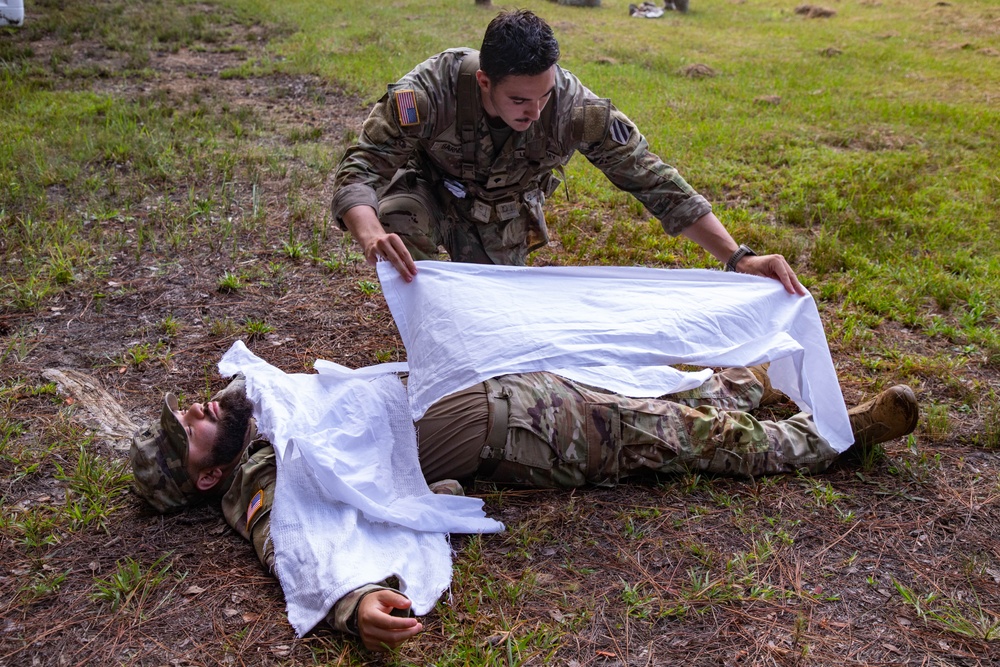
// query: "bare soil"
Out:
[927,519]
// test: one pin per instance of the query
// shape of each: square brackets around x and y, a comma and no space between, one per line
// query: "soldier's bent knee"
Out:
[410,218]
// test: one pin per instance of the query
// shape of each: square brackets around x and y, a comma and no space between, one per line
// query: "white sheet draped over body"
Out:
[615,327]
[351,506]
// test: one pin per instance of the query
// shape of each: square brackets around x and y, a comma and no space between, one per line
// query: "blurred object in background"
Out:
[11,12]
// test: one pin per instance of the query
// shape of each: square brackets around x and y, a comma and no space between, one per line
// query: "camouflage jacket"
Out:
[425,136]
[247,508]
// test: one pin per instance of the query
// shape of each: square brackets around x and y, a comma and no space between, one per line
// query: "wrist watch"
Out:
[740,253]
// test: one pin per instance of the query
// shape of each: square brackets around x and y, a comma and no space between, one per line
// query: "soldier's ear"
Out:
[484,81]
[208,478]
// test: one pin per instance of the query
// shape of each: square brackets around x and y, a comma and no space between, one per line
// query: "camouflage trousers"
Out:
[563,434]
[428,217]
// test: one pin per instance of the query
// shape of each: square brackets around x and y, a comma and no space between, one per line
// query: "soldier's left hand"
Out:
[772,266]
[379,628]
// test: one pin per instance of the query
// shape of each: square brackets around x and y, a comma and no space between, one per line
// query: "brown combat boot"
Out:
[890,415]
[770,395]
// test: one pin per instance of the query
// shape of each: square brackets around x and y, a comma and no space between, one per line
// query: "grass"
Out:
[867,153]
[967,618]
[169,325]
[874,172]
[95,488]
[231,282]
[369,287]
[131,585]
[255,328]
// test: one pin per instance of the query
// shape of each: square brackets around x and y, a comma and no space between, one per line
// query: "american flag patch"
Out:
[255,504]
[406,105]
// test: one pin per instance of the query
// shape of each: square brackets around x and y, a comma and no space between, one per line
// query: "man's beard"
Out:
[237,410]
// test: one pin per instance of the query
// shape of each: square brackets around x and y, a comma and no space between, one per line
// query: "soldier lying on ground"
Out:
[460,154]
[557,430]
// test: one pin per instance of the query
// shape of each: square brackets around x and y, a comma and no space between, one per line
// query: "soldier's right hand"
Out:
[391,248]
[380,630]
[376,243]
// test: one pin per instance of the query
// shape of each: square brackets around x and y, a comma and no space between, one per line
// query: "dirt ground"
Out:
[650,574]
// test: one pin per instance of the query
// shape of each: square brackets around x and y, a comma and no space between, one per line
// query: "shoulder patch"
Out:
[591,120]
[406,107]
[620,131]
[255,504]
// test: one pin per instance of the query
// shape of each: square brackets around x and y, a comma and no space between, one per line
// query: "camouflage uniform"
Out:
[247,508]
[539,429]
[247,503]
[564,434]
[427,162]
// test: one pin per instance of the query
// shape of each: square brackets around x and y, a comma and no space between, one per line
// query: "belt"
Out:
[498,400]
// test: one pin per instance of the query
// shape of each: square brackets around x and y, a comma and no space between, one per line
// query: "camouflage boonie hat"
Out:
[159,461]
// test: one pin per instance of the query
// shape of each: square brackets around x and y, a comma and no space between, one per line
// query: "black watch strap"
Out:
[740,253]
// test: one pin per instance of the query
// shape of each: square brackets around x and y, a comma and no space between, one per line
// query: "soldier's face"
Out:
[517,100]
[201,421]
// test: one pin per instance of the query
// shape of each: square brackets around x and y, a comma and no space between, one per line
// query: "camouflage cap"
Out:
[159,461]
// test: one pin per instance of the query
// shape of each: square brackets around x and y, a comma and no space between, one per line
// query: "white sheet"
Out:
[351,506]
[340,422]
[616,327]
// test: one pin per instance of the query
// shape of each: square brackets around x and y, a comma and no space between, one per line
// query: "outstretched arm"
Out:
[365,611]
[711,235]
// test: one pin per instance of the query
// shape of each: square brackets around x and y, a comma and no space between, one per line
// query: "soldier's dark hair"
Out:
[236,413]
[517,43]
